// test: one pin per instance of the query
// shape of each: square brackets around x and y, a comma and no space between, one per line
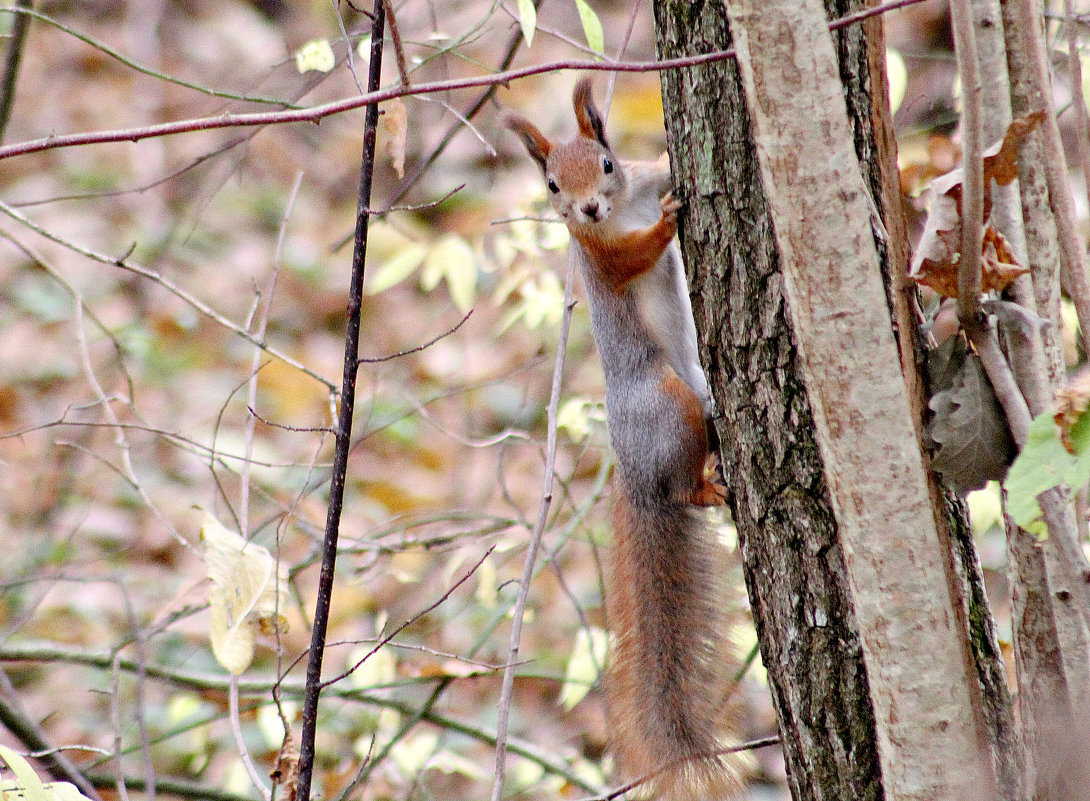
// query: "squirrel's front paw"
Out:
[669,205]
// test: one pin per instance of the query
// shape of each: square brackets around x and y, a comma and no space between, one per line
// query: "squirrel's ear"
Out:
[536,144]
[590,121]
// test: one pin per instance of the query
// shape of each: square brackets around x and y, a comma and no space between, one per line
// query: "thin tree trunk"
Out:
[1049,621]
[791,544]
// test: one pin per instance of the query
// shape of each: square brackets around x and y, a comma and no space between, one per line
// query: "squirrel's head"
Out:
[583,176]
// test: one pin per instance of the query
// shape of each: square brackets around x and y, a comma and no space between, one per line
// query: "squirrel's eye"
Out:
[553,187]
[607,165]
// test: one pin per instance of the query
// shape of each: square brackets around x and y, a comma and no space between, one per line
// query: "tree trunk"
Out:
[792,545]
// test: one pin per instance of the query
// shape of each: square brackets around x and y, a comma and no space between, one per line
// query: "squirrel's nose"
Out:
[590,208]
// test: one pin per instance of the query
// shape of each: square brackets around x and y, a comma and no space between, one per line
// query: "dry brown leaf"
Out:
[1071,401]
[396,123]
[285,772]
[997,266]
[997,263]
[1001,159]
[938,253]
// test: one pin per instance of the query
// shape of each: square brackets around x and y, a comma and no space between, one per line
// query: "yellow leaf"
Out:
[452,258]
[574,417]
[487,584]
[246,590]
[527,20]
[411,755]
[585,663]
[592,26]
[27,785]
[397,269]
[379,669]
[897,76]
[449,762]
[985,509]
[315,55]
[525,773]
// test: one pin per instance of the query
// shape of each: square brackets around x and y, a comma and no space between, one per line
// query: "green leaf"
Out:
[1044,463]
[585,663]
[592,27]
[315,55]
[527,20]
[1078,474]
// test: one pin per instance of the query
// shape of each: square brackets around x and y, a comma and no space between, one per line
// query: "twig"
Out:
[471,111]
[607,101]
[138,642]
[167,787]
[1072,258]
[208,682]
[503,710]
[374,760]
[29,733]
[752,745]
[240,742]
[255,363]
[418,348]
[115,720]
[23,11]
[13,56]
[317,113]
[344,421]
[430,608]
[970,312]
[187,298]
[122,441]
[1082,120]
[395,37]
[972,197]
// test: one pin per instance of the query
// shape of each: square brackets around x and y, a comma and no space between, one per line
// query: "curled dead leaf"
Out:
[396,123]
[285,772]
[1001,159]
[938,253]
[998,267]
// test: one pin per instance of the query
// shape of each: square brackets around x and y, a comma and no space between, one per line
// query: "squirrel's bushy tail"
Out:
[670,670]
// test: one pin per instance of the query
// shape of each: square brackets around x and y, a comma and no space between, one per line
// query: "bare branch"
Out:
[315,114]
[504,707]
[344,421]
[970,312]
[1072,256]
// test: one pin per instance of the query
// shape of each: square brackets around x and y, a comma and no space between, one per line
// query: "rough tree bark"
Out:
[791,546]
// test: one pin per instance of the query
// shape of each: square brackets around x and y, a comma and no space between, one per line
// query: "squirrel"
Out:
[669,671]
